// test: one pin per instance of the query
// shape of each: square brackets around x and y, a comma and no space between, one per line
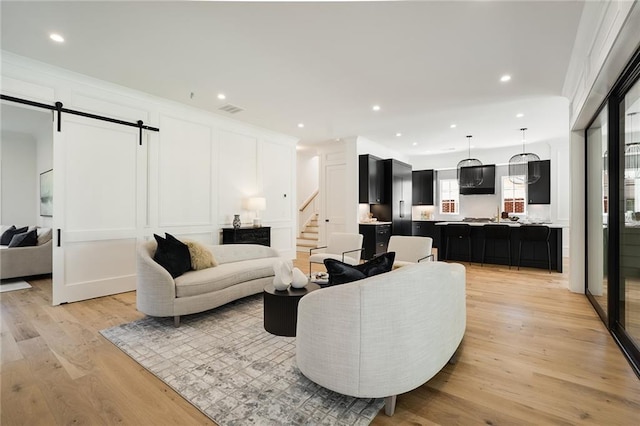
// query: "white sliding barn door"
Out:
[99,204]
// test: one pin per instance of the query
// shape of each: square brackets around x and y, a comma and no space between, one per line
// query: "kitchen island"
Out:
[534,254]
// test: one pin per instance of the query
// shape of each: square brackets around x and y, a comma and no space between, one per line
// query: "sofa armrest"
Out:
[155,287]
[328,337]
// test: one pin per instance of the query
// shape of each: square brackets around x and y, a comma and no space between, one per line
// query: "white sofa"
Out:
[383,335]
[243,270]
[27,261]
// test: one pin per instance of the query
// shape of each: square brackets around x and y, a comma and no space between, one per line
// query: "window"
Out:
[514,196]
[449,196]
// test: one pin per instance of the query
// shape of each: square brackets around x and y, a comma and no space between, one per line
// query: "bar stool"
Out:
[459,231]
[496,233]
[535,233]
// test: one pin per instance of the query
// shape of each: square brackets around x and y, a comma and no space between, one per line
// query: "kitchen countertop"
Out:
[375,223]
[504,222]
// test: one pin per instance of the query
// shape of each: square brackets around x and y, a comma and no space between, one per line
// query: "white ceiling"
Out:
[427,64]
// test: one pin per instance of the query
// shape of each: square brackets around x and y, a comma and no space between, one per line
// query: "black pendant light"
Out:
[470,178]
[632,153]
[519,169]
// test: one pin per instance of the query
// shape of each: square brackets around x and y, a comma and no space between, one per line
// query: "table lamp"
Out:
[257,204]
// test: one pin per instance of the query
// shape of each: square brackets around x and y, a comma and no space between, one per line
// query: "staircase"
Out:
[309,236]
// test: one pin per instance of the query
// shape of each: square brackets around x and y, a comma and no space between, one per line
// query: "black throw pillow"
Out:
[7,235]
[341,273]
[172,254]
[24,239]
[379,264]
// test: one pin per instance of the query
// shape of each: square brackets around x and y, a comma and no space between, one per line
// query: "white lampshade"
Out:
[256,203]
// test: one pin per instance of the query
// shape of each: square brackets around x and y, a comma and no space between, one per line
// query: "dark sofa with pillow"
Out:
[25,251]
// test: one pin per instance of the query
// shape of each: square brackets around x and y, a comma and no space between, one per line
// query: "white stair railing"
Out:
[307,210]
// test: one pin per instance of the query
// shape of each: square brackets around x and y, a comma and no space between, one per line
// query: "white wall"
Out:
[44,162]
[189,179]
[367,146]
[307,174]
[19,182]
[607,37]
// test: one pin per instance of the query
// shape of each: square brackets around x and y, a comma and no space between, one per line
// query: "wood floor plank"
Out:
[533,353]
[23,402]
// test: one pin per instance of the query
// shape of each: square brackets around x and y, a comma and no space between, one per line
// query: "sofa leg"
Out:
[390,405]
[176,321]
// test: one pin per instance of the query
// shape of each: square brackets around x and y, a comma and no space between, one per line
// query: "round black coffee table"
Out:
[281,308]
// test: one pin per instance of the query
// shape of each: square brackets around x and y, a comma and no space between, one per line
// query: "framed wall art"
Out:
[46,193]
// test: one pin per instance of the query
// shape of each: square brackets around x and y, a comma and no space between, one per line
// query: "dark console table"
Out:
[247,235]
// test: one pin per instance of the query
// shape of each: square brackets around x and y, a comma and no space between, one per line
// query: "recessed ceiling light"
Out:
[56,37]
[415,144]
[222,96]
[453,126]
[519,115]
[376,107]
[301,125]
[505,77]
[398,134]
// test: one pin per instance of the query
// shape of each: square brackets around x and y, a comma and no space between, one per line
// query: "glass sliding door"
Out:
[598,212]
[612,207]
[629,192]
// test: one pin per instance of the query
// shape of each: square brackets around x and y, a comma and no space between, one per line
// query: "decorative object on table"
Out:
[473,177]
[46,193]
[320,278]
[283,270]
[519,170]
[232,374]
[632,153]
[257,204]
[299,279]
[236,221]
[514,218]
[504,215]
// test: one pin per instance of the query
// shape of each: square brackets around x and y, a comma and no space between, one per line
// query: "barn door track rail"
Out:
[58,107]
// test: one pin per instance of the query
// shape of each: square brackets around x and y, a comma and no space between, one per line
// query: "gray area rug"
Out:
[226,365]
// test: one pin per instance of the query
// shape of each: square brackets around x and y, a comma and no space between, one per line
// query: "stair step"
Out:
[309,235]
[313,222]
[306,243]
[314,229]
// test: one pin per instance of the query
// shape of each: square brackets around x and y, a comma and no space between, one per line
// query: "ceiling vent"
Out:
[231,109]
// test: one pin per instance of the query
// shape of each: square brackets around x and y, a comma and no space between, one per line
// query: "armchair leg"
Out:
[176,321]
[390,405]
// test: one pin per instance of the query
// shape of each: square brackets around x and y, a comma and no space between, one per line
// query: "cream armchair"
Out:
[383,335]
[342,246]
[410,249]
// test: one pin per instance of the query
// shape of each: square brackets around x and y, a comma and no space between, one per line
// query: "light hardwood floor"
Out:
[533,353]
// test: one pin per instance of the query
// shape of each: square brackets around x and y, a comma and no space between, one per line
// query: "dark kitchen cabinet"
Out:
[539,192]
[371,179]
[427,228]
[422,183]
[398,194]
[375,239]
